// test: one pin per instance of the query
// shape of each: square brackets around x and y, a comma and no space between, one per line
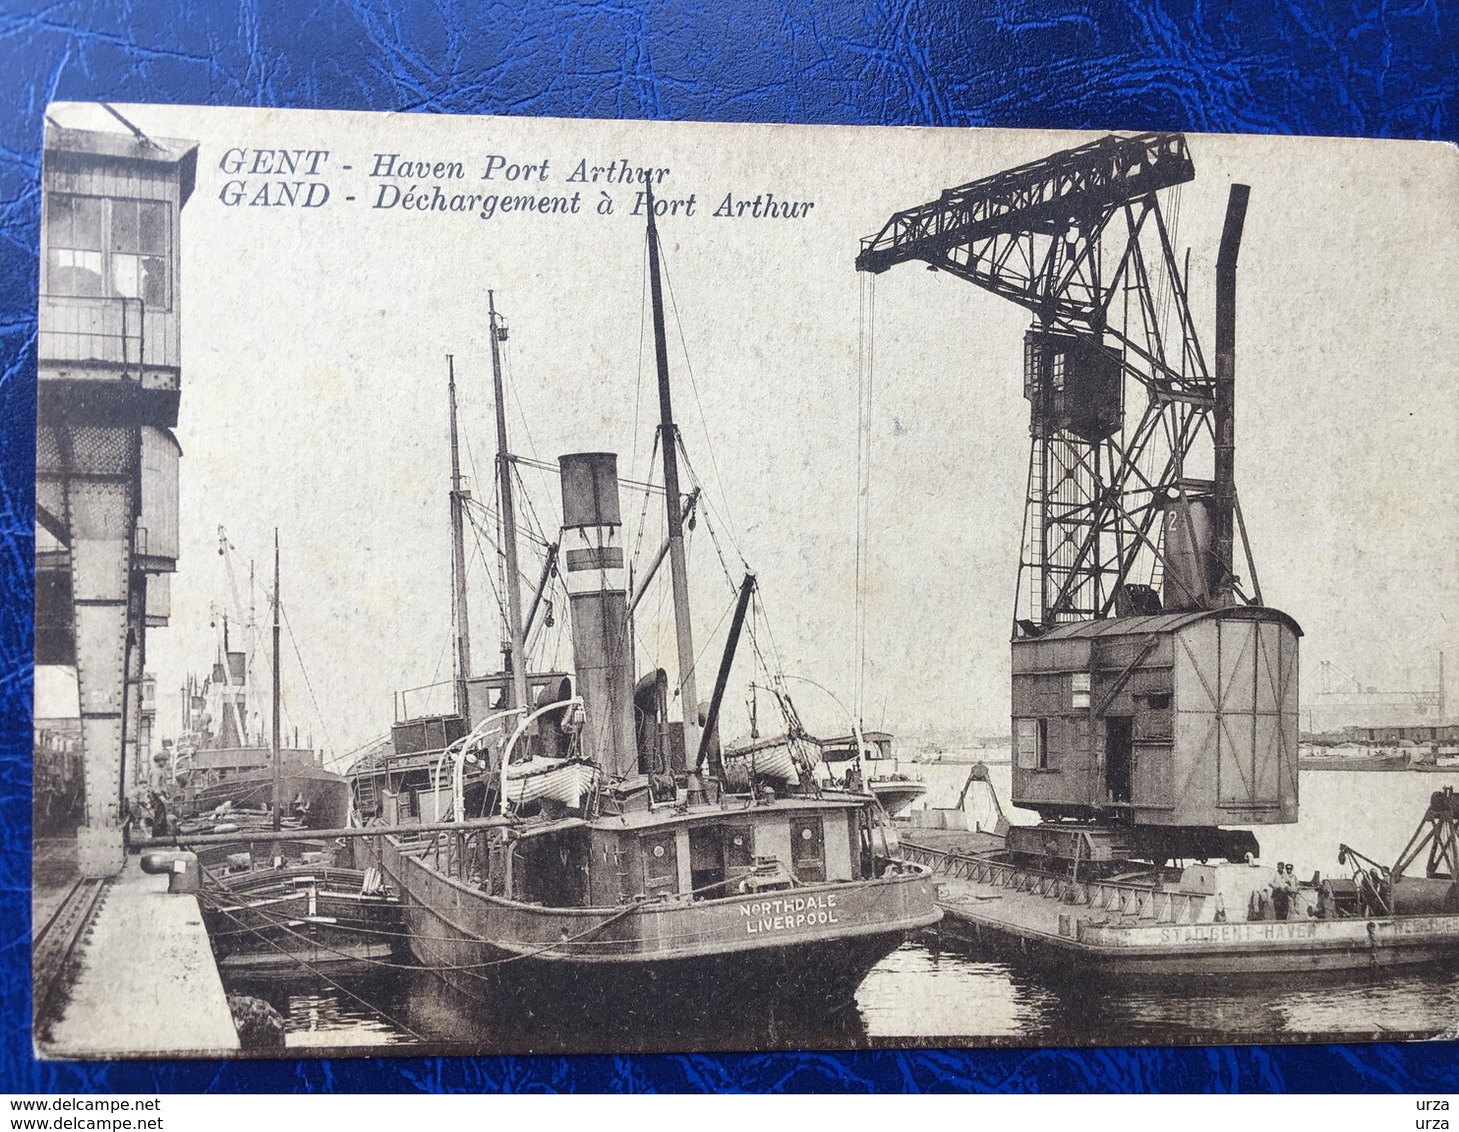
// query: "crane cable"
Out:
[866,385]
[303,671]
[731,526]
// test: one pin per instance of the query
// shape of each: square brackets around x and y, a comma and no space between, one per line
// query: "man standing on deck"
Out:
[158,782]
[1295,905]
[1281,894]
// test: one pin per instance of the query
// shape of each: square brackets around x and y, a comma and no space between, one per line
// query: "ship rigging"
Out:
[595,846]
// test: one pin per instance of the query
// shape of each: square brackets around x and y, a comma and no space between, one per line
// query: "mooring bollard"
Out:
[181,867]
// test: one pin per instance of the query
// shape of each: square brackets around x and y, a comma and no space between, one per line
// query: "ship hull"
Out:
[896,795]
[798,982]
[325,796]
[1367,763]
[1071,928]
[804,950]
[283,920]
[1239,950]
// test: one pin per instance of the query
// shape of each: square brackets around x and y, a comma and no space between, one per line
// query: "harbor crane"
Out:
[1079,239]
[1154,695]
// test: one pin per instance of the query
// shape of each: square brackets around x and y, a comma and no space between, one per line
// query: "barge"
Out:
[301,916]
[1208,918]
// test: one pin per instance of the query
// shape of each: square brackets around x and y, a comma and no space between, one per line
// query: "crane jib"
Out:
[1051,193]
[1079,239]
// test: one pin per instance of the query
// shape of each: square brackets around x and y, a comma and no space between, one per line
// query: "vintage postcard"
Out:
[519,585]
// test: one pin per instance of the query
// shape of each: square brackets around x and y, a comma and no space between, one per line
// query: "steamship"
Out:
[223,761]
[558,838]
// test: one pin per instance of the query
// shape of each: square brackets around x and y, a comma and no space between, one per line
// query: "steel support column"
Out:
[101,490]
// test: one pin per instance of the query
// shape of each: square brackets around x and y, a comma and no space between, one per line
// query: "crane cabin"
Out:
[1184,719]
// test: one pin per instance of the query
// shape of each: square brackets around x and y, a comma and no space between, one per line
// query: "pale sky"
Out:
[314,380]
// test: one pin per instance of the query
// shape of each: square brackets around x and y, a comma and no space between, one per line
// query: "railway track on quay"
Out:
[57,944]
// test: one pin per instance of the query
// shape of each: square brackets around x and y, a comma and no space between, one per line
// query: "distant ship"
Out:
[223,761]
[1430,759]
[868,755]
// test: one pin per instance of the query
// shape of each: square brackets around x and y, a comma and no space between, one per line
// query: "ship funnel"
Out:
[593,571]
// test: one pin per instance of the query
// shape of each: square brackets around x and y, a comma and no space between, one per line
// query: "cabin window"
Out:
[1058,370]
[102,248]
[74,245]
[808,849]
[1031,737]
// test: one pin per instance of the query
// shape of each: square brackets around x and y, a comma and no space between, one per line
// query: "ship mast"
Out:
[458,554]
[514,655]
[274,740]
[684,632]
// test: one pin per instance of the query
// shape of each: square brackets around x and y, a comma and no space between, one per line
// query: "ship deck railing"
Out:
[1123,898]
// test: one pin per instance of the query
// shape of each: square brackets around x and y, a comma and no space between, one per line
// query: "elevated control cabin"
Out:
[109,380]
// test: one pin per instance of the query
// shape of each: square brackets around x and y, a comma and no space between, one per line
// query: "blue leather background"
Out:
[1365,67]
